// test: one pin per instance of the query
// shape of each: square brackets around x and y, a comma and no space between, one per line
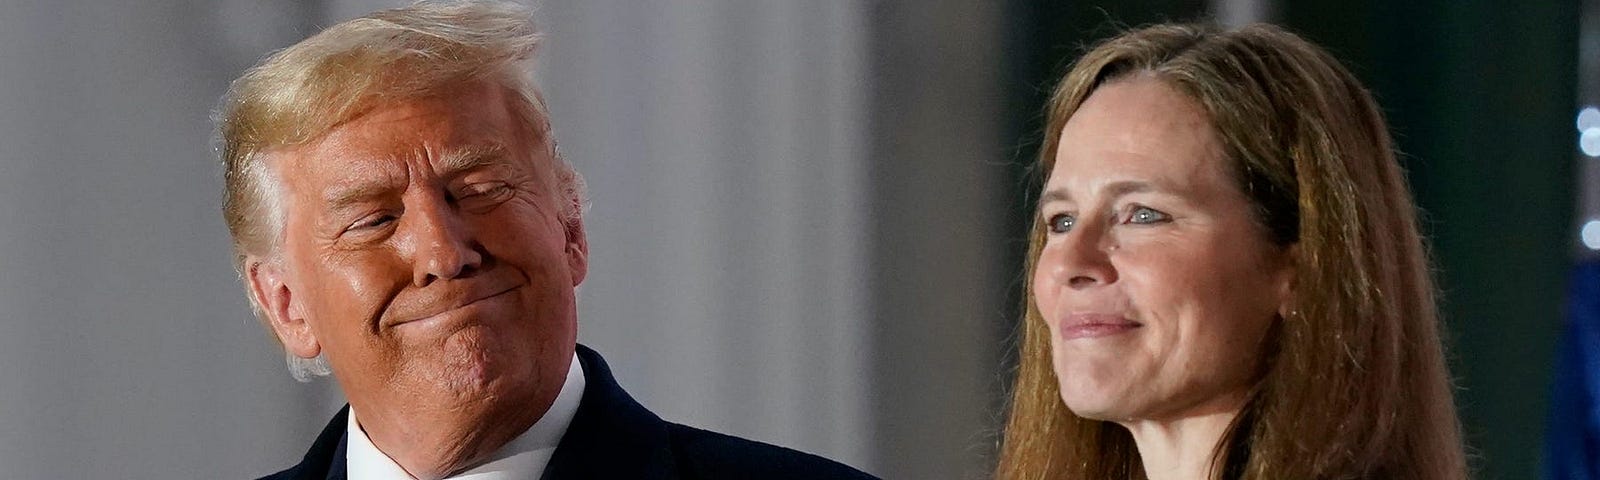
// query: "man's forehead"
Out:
[444,131]
[377,152]
[423,123]
[334,168]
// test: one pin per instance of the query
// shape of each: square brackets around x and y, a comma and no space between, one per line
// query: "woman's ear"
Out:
[1285,280]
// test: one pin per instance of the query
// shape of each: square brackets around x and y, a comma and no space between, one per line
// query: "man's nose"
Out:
[1083,258]
[445,246]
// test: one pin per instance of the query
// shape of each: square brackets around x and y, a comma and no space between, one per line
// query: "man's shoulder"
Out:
[283,475]
[325,458]
[706,454]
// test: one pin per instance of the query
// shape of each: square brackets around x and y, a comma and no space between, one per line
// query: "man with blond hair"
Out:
[403,221]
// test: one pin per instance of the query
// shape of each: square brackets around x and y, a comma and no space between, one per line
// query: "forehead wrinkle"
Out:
[363,180]
[374,182]
[388,135]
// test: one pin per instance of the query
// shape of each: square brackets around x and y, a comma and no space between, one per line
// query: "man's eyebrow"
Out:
[453,162]
[458,160]
[342,198]
[1112,190]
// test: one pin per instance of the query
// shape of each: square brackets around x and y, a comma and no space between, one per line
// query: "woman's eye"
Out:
[1147,215]
[1061,223]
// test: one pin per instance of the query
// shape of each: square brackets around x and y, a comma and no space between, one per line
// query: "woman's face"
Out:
[1156,282]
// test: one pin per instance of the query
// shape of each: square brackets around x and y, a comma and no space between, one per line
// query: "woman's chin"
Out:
[1097,398]
[1097,408]
[1091,389]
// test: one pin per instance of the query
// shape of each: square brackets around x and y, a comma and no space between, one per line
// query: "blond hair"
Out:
[301,93]
[1356,384]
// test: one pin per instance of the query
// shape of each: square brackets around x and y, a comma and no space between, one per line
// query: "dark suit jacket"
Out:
[612,436]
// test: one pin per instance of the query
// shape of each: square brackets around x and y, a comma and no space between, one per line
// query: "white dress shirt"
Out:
[523,458]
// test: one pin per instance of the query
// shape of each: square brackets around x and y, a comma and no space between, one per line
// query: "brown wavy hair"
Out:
[1355,384]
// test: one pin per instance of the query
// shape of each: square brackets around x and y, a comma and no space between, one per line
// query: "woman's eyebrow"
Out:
[1111,190]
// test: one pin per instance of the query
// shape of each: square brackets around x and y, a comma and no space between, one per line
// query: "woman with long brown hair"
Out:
[1225,276]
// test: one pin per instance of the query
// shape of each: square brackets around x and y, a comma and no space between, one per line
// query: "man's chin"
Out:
[474,365]
[484,377]
[476,380]
[468,363]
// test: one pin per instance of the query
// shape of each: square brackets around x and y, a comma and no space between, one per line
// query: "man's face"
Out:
[424,253]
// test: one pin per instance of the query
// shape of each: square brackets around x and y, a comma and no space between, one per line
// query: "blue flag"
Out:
[1572,442]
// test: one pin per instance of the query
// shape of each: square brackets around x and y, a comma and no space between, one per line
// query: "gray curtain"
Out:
[126,349]
[724,145]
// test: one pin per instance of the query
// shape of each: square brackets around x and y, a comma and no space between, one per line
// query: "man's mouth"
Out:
[445,308]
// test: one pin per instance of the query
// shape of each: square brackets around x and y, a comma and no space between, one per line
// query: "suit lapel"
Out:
[611,436]
[338,467]
[325,459]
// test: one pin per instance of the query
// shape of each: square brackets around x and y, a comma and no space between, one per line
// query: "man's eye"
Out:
[1145,215]
[372,222]
[482,190]
[484,194]
[1061,223]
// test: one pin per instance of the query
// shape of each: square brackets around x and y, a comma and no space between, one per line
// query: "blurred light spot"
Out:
[1591,235]
[1589,142]
[1588,118]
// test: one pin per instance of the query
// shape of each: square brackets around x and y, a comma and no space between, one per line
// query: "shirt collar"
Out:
[523,457]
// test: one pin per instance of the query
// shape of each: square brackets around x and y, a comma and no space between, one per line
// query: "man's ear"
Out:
[270,292]
[577,250]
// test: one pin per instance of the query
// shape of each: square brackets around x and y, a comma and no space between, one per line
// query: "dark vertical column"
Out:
[938,157]
[1480,96]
